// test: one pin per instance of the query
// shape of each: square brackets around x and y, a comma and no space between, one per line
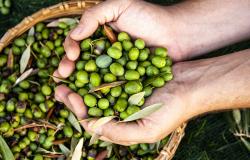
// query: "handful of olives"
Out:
[35,125]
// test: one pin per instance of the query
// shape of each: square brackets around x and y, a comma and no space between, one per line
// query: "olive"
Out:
[90,66]
[169,62]
[68,131]
[108,112]
[158,61]
[86,56]
[39,98]
[152,71]
[121,105]
[116,69]
[4,127]
[144,53]
[39,27]
[114,52]
[95,79]
[24,84]
[3,60]
[103,61]
[133,87]
[10,106]
[158,82]
[46,90]
[132,75]
[64,113]
[50,45]
[139,43]
[105,90]
[109,77]
[167,76]
[103,103]
[127,45]
[123,36]
[133,54]
[161,52]
[122,60]
[95,112]
[166,69]
[38,157]
[19,42]
[90,100]
[132,109]
[82,76]
[82,91]
[116,91]
[141,70]
[111,99]
[79,84]
[148,91]
[99,47]
[123,115]
[45,51]
[85,44]
[145,64]
[32,135]
[132,65]
[124,95]
[62,25]
[5,10]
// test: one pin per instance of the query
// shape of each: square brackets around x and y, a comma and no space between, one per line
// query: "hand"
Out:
[150,129]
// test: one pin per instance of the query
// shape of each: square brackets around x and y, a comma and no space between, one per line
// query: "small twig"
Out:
[61,141]
[50,113]
[33,125]
[54,155]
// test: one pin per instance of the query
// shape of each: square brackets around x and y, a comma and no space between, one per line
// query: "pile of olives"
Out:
[5,6]
[33,123]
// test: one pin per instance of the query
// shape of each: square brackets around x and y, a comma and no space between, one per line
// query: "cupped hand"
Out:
[147,130]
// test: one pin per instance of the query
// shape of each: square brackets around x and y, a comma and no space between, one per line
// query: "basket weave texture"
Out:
[73,8]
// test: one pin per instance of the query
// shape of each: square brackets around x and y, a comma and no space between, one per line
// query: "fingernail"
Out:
[76,31]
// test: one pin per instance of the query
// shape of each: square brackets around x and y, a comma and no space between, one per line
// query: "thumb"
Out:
[98,15]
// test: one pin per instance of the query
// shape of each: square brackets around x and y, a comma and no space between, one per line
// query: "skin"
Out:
[187,29]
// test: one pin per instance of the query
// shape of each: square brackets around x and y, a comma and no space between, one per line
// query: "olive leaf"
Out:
[106,85]
[33,82]
[237,116]
[105,144]
[25,59]
[73,143]
[64,150]
[75,123]
[31,31]
[68,21]
[144,112]
[61,79]
[136,98]
[246,143]
[78,150]
[158,143]
[10,62]
[93,138]
[102,121]
[39,149]
[23,76]
[5,150]
[110,34]
[109,148]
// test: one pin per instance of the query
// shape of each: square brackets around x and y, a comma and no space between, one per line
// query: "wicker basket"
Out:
[77,8]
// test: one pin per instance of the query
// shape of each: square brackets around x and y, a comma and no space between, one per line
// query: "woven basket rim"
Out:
[76,7]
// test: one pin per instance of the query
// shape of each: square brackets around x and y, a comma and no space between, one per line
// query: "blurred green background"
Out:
[207,137]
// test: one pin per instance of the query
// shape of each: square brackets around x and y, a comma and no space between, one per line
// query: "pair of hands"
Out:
[183,97]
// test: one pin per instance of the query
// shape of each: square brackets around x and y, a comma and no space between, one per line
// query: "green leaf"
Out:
[105,144]
[94,138]
[107,85]
[64,150]
[75,123]
[68,21]
[25,59]
[63,80]
[73,143]
[78,150]
[102,121]
[237,116]
[31,31]
[24,76]
[39,149]
[109,148]
[144,112]
[5,150]
[136,98]
[246,143]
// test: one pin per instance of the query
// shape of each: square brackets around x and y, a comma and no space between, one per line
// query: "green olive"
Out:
[168,76]
[132,65]
[114,52]
[133,54]
[108,112]
[116,91]
[82,92]
[144,53]
[141,70]
[158,82]
[82,76]
[10,106]
[45,51]
[145,64]
[90,100]
[127,45]
[86,44]
[19,42]
[148,91]
[133,87]
[86,56]
[24,84]
[132,109]
[3,60]
[121,105]
[168,62]
[103,61]
[95,112]
[139,43]
[152,71]
[46,90]
[32,135]
[109,77]
[123,36]
[99,46]
[117,45]
[90,66]
[39,98]
[161,52]
[122,60]
[166,69]
[68,131]
[64,113]
[124,115]
[40,26]
[132,75]
[103,103]
[105,91]
[158,61]
[111,99]
[116,69]
[95,79]
[124,95]
[62,25]
[79,84]
[4,127]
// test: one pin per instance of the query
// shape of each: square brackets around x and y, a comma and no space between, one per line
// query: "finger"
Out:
[56,74]
[66,67]
[122,132]
[100,14]
[72,100]
[72,48]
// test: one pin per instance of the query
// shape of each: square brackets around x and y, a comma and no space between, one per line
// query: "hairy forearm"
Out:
[201,26]
[221,83]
